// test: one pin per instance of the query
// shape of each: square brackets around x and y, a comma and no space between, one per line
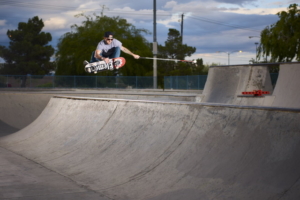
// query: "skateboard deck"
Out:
[114,63]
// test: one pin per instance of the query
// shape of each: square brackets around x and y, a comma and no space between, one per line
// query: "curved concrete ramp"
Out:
[225,83]
[287,92]
[159,151]
[19,108]
[6,129]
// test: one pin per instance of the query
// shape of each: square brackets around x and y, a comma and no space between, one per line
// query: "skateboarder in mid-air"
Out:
[109,48]
[107,55]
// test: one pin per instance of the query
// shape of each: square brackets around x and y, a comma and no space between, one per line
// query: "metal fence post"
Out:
[187,82]
[136,82]
[198,82]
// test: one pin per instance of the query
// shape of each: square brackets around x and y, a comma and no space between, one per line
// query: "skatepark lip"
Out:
[185,103]
[257,64]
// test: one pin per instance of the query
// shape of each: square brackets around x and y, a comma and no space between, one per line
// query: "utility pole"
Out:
[182,28]
[154,47]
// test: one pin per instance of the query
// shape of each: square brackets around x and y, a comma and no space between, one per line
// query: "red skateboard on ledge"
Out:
[256,92]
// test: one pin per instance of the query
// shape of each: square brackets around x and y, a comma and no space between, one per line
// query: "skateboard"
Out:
[114,63]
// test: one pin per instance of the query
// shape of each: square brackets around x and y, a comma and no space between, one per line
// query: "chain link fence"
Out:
[136,82]
[196,82]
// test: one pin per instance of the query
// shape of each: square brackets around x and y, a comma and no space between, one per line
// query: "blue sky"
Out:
[210,26]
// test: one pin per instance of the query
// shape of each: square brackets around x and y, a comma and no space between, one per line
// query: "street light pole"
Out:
[228,58]
[228,53]
[253,36]
[256,43]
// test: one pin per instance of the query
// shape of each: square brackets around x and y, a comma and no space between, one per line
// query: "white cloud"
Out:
[55,23]
[257,11]
[170,4]
[2,22]
[87,5]
[166,22]
[126,9]
[193,6]
[222,58]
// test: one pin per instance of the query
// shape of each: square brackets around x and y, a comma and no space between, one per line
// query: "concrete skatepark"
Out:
[215,144]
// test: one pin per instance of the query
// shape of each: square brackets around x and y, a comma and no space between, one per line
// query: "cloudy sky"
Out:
[208,25]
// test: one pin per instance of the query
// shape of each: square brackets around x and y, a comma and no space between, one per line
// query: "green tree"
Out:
[200,68]
[174,49]
[282,39]
[76,46]
[28,52]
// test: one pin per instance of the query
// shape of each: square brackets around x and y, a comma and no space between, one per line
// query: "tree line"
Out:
[28,52]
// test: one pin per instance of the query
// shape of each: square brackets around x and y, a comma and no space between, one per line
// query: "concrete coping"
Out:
[258,64]
[186,103]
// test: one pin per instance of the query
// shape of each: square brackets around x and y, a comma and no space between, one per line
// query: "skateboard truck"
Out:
[256,93]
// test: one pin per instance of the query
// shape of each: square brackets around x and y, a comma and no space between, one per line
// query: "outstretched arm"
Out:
[125,50]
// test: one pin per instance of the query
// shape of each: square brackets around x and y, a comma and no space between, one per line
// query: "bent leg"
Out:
[116,53]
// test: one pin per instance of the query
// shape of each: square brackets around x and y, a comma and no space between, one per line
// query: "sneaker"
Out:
[88,69]
[85,63]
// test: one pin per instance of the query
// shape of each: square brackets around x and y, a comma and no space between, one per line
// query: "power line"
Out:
[222,23]
[51,7]
[54,7]
[34,5]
